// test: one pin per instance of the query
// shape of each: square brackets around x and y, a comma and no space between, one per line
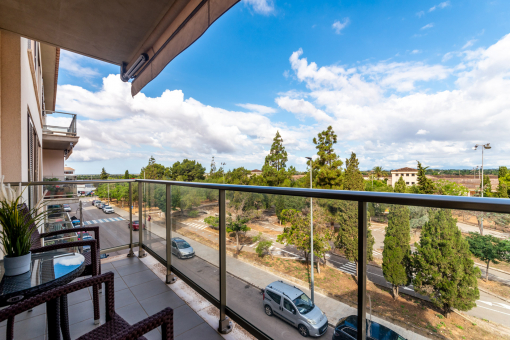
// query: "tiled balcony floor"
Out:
[139,292]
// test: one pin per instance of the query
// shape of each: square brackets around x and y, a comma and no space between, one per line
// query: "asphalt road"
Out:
[116,233]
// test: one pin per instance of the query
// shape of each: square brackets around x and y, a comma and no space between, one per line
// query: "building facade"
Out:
[409,175]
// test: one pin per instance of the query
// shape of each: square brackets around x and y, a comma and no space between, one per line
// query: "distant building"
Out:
[296,177]
[410,176]
[472,183]
[69,173]
[256,172]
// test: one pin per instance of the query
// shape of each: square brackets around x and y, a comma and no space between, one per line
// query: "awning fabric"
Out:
[115,31]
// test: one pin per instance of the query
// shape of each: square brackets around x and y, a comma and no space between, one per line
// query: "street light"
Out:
[311,228]
[484,146]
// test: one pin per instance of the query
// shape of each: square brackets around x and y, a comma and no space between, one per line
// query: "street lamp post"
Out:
[223,168]
[484,146]
[311,230]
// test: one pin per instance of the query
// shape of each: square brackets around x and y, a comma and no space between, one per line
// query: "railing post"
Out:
[141,252]
[225,325]
[130,254]
[362,270]
[168,217]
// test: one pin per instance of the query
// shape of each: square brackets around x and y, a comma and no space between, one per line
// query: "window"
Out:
[288,306]
[407,175]
[407,183]
[352,333]
[412,183]
[173,244]
[33,161]
[276,298]
[412,174]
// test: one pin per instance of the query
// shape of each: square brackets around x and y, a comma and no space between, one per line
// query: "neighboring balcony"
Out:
[59,131]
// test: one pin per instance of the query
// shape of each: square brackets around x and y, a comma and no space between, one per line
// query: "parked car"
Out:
[136,225]
[76,223]
[347,329]
[99,205]
[85,237]
[295,307]
[103,256]
[90,193]
[181,248]
[108,210]
[67,208]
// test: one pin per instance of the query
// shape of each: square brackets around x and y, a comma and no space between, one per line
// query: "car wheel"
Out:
[303,330]
[268,310]
[179,255]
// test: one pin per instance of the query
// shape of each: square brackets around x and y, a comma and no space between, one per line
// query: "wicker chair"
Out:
[92,258]
[115,326]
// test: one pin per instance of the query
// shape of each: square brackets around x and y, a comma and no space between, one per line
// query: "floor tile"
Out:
[28,328]
[140,277]
[159,302]
[125,262]
[81,311]
[149,289]
[185,319]
[133,268]
[132,313]
[79,296]
[203,331]
[81,328]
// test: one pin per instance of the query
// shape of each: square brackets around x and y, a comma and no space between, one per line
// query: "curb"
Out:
[496,269]
[495,295]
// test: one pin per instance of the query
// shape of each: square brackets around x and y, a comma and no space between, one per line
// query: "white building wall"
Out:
[410,177]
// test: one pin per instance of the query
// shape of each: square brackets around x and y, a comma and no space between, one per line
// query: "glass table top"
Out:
[48,269]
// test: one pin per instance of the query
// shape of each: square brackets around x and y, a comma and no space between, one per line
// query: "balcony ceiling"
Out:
[59,142]
[115,31]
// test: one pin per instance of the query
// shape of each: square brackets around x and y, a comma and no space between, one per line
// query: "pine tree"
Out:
[213,167]
[425,184]
[277,157]
[503,171]
[400,186]
[104,174]
[126,175]
[353,179]
[327,166]
[397,249]
[443,266]
[502,190]
[487,186]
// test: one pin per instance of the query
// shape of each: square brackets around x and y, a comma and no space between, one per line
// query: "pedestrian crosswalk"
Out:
[196,225]
[104,220]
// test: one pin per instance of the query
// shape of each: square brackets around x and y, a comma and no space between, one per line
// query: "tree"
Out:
[400,186]
[502,190]
[126,175]
[353,179]
[188,171]
[425,185]
[238,176]
[176,198]
[345,214]
[397,249]
[298,234]
[503,171]
[444,187]
[489,249]
[104,174]
[487,187]
[213,221]
[213,167]
[277,157]
[379,172]
[327,166]
[264,245]
[237,225]
[153,170]
[443,266]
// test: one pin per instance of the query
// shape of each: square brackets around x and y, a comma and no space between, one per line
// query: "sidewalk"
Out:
[334,309]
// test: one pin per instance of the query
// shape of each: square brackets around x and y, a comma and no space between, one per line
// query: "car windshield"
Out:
[303,304]
[182,245]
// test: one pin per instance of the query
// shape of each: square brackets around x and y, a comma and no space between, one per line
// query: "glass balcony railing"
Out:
[59,123]
[370,266]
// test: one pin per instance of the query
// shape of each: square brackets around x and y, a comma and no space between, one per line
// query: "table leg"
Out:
[64,318]
[53,315]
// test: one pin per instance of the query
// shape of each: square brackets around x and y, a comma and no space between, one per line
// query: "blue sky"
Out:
[398,80]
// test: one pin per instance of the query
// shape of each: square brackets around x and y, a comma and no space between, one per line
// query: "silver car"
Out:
[295,307]
[181,248]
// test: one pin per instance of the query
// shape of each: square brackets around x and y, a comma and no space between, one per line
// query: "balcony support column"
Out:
[225,325]
[131,253]
[168,219]
[141,251]
[362,269]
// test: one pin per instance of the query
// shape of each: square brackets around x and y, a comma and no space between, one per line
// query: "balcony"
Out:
[59,131]
[222,280]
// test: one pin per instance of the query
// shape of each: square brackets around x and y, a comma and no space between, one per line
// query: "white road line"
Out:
[497,311]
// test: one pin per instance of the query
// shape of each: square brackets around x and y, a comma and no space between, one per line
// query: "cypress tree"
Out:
[502,190]
[126,175]
[503,171]
[425,184]
[397,249]
[400,186]
[277,157]
[444,269]
[487,186]
[104,174]
[353,179]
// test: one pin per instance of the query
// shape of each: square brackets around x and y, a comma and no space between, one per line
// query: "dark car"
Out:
[347,329]
[136,225]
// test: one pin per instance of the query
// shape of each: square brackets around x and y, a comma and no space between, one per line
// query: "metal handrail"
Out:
[498,205]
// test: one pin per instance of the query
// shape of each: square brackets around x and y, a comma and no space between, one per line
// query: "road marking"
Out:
[497,311]
[114,219]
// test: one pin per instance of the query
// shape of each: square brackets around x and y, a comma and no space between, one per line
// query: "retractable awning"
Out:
[140,36]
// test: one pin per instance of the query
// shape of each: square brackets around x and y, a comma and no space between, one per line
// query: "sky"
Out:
[399,81]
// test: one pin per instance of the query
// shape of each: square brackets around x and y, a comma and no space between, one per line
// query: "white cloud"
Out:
[258,108]
[427,26]
[469,43]
[338,26]
[420,14]
[440,6]
[70,62]
[422,132]
[261,6]
[415,51]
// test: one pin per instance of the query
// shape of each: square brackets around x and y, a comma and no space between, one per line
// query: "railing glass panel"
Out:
[154,218]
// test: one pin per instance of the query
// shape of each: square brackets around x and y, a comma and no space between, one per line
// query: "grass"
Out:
[497,288]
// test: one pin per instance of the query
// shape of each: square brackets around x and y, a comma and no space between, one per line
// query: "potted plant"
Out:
[15,235]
